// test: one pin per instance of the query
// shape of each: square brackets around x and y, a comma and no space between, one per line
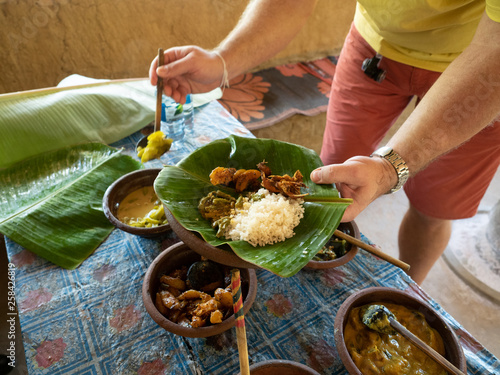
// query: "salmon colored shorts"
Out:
[362,110]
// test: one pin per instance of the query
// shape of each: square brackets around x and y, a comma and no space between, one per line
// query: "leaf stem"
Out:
[311,198]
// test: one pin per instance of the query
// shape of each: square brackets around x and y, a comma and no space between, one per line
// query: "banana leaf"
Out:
[34,122]
[51,204]
[181,187]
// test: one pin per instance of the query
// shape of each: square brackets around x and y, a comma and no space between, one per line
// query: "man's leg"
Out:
[361,110]
[450,188]
[422,240]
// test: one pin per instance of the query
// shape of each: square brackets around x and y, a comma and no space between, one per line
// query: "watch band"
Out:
[397,162]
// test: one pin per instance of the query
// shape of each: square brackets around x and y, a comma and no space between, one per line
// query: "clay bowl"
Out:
[173,258]
[350,228]
[220,254]
[454,352]
[225,255]
[119,189]
[278,366]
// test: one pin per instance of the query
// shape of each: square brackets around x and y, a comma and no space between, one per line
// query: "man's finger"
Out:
[153,78]
[330,174]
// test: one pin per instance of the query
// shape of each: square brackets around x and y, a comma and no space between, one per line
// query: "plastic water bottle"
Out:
[188,111]
[176,118]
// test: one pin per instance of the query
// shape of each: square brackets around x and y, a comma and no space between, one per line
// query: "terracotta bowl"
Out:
[278,366]
[454,352]
[225,255]
[350,228]
[119,189]
[173,258]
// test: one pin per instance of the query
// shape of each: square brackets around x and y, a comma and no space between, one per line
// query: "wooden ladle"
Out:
[371,249]
[205,275]
[143,142]
[379,318]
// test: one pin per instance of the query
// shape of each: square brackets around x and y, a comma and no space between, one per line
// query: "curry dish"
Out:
[142,208]
[181,304]
[377,353]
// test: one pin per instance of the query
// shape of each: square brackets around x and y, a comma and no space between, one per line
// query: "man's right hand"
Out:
[187,70]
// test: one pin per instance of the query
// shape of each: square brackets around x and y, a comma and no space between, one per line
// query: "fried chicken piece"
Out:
[269,183]
[159,305]
[292,187]
[169,300]
[224,296]
[241,179]
[216,317]
[194,294]
[264,168]
[196,322]
[246,179]
[222,176]
[205,308]
[286,185]
[174,282]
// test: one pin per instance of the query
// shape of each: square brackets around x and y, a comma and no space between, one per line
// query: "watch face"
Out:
[384,151]
[398,164]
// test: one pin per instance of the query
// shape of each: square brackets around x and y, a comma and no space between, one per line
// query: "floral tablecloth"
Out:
[91,320]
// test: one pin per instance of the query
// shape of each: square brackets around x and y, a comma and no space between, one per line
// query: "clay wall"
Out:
[44,41]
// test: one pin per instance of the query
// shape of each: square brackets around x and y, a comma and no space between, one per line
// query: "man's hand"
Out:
[361,178]
[187,69]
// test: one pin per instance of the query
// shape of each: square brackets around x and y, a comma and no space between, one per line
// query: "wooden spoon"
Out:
[159,93]
[241,337]
[143,142]
[379,318]
[371,249]
[205,275]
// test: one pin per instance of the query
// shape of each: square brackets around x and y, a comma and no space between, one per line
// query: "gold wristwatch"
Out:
[397,162]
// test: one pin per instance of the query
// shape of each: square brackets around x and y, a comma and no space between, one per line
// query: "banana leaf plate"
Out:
[51,204]
[181,187]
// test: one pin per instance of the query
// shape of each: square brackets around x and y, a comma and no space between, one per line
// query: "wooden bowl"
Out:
[454,352]
[350,228]
[279,366]
[225,255]
[173,258]
[119,189]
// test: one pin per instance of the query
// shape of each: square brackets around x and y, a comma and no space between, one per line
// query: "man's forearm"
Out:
[265,28]
[464,100]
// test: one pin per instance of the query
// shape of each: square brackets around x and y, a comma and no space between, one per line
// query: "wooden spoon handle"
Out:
[371,249]
[159,93]
[241,336]
[425,348]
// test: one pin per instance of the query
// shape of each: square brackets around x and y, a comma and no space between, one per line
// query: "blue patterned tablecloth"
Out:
[92,320]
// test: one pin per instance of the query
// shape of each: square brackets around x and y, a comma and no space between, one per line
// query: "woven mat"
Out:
[263,98]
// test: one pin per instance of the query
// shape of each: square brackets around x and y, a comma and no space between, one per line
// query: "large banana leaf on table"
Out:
[181,187]
[55,166]
[33,122]
[51,204]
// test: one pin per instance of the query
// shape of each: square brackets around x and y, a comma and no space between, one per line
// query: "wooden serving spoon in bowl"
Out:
[143,142]
[379,318]
[205,275]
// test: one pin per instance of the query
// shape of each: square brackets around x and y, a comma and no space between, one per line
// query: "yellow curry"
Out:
[376,353]
[142,208]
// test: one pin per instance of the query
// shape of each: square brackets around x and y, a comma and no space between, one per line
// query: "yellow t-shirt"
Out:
[428,34]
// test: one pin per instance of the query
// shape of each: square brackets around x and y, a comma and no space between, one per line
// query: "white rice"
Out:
[269,220]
